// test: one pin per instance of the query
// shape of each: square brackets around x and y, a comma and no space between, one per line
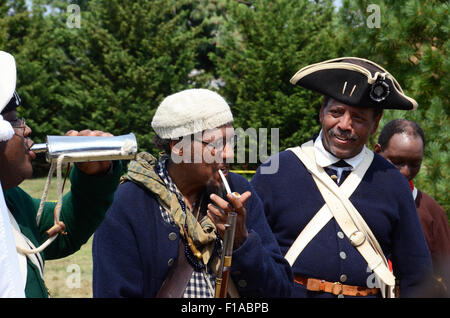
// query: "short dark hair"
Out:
[162,144]
[399,126]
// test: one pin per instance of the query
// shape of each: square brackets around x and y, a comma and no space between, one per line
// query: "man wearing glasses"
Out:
[83,208]
[168,217]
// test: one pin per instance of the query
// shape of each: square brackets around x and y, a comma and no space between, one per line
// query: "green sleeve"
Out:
[83,209]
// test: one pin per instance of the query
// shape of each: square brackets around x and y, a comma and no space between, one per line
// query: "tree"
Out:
[261,46]
[111,72]
[412,43]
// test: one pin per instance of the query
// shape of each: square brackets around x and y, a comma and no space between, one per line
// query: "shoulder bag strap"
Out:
[178,277]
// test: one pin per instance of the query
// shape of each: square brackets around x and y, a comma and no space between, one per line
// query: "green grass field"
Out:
[61,276]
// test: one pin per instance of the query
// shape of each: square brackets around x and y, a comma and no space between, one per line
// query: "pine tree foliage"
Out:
[109,74]
[412,43]
[262,46]
[112,71]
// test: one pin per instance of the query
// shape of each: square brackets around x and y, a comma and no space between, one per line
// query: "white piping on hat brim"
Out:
[330,64]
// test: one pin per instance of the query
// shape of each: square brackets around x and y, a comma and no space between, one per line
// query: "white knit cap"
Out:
[7,87]
[190,111]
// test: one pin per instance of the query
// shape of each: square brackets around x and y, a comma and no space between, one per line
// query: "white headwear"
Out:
[190,111]
[11,281]
[7,87]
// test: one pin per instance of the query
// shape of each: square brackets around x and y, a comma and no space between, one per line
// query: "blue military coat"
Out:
[383,198]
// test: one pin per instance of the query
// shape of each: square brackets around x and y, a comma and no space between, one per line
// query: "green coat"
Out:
[83,210]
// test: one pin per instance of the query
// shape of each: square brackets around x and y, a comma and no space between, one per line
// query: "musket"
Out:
[223,274]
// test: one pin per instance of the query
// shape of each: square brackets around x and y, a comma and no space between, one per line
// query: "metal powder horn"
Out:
[88,148]
[61,149]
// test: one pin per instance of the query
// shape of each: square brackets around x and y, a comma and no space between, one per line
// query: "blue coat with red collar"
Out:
[291,198]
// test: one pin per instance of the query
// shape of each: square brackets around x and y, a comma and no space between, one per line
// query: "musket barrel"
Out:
[226,257]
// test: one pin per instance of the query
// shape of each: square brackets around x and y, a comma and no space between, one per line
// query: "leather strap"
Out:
[23,242]
[336,288]
[319,220]
[324,215]
[178,277]
[348,218]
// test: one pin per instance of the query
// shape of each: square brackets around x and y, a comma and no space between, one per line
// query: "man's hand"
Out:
[237,205]
[92,167]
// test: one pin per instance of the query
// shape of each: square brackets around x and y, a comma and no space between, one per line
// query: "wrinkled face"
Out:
[346,129]
[15,157]
[406,153]
[207,152]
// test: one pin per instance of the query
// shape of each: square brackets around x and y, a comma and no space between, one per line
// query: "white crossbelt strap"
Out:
[346,215]
[314,226]
[10,279]
[324,215]
[23,242]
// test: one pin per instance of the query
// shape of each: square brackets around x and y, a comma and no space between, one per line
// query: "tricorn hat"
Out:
[356,82]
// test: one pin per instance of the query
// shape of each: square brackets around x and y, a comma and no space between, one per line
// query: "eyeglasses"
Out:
[219,144]
[19,124]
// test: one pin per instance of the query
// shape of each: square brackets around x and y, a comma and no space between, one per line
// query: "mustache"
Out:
[342,134]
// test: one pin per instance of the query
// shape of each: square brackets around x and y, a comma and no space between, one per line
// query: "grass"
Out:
[63,275]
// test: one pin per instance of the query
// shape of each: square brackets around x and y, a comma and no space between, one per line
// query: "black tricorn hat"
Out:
[355,82]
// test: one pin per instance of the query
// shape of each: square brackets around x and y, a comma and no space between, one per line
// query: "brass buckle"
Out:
[340,289]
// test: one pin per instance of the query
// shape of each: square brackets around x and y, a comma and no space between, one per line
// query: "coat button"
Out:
[172,236]
[342,255]
[170,262]
[242,283]
[343,278]
[340,235]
